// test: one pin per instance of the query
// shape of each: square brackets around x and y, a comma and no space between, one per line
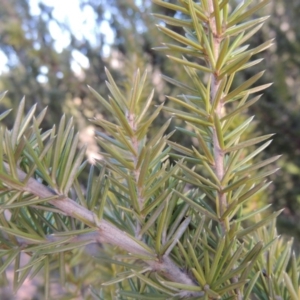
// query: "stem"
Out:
[239,295]
[217,150]
[137,171]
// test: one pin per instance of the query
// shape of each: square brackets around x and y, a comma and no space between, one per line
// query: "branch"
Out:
[215,83]
[109,234]
[218,151]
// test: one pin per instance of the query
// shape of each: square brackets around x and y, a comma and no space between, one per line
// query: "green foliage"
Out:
[172,219]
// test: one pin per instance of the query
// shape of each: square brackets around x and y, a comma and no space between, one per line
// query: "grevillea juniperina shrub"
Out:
[164,230]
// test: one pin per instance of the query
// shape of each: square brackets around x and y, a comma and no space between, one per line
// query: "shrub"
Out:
[164,230]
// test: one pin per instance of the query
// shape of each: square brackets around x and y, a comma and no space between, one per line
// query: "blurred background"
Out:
[51,50]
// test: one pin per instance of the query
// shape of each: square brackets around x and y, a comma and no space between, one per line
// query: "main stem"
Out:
[217,150]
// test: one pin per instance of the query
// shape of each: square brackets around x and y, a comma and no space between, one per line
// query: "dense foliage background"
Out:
[55,75]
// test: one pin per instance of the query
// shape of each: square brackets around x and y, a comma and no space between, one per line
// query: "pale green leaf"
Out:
[180,38]
[115,91]
[190,64]
[197,206]
[101,99]
[240,108]
[249,143]
[250,12]
[171,6]
[178,83]
[174,21]
[236,29]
